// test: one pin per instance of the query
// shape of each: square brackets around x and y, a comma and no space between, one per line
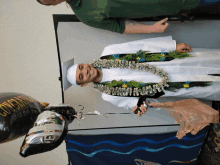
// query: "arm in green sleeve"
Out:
[138,27]
[114,25]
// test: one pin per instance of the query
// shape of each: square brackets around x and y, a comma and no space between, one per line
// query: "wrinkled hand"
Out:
[142,108]
[183,48]
[191,114]
[160,26]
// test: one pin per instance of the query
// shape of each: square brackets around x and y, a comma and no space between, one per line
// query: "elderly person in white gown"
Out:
[131,72]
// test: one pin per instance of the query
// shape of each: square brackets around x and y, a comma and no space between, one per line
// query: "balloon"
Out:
[48,132]
[18,113]
[64,110]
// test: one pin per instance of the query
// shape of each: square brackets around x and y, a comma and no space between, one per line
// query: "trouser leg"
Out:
[212,7]
[205,7]
[208,2]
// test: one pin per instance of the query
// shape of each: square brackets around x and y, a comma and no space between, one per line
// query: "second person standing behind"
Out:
[115,15]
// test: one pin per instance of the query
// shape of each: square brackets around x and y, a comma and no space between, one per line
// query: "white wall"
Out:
[29,65]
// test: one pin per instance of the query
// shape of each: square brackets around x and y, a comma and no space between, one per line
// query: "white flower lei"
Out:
[147,90]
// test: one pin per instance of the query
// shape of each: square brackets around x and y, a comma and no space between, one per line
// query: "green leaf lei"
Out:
[145,56]
[173,86]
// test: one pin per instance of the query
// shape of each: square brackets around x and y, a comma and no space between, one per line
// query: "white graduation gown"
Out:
[196,68]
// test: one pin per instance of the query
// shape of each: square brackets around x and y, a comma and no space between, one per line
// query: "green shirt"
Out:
[110,14]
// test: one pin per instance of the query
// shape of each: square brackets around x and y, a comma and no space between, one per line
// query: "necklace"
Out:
[132,65]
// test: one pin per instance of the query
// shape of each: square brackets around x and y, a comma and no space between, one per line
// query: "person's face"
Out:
[85,73]
[51,2]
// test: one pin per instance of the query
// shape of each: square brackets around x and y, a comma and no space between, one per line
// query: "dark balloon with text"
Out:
[18,113]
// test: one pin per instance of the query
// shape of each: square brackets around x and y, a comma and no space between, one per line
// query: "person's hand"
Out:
[142,108]
[191,114]
[160,26]
[183,48]
[61,117]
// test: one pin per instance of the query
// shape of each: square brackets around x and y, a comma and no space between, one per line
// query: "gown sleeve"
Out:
[154,45]
[125,102]
[114,25]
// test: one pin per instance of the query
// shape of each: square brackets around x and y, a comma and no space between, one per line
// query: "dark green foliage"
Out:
[149,57]
[173,86]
